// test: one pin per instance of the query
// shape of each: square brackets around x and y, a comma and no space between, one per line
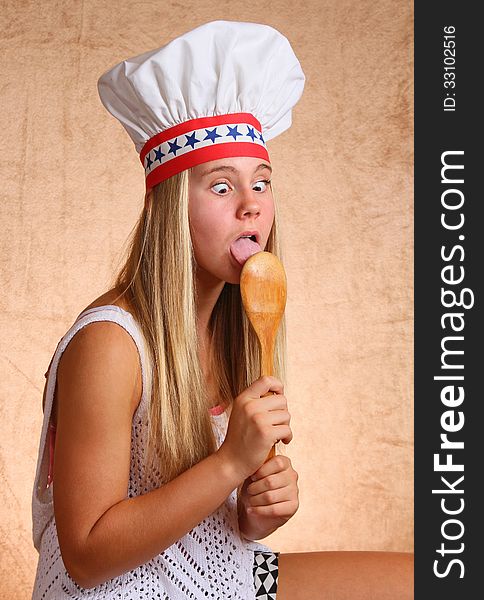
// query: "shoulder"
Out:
[114,296]
[103,338]
[102,360]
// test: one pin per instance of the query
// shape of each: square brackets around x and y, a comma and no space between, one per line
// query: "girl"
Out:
[151,480]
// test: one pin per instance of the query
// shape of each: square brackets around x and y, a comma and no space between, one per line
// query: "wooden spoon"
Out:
[263,289]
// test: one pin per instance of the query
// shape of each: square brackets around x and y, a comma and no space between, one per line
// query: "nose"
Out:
[249,205]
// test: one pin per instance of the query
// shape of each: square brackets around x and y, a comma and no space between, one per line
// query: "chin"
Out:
[231,275]
[222,275]
[234,280]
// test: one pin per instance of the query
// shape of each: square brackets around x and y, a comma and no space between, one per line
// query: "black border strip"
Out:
[437,131]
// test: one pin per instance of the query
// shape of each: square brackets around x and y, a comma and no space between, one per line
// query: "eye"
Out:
[261,186]
[221,188]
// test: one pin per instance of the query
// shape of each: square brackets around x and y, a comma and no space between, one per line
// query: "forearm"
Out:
[135,530]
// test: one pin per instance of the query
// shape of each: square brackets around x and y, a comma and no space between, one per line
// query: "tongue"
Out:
[243,248]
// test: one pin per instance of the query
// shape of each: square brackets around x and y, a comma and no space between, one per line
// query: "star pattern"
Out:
[173,147]
[158,154]
[232,134]
[212,135]
[191,140]
[251,132]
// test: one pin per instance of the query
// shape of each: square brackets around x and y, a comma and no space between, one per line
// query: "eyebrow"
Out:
[233,169]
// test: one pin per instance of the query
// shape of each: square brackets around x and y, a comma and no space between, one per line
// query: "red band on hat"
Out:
[202,155]
[188,126]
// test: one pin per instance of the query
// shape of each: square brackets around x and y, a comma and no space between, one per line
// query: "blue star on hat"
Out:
[233,132]
[251,132]
[191,140]
[158,154]
[211,135]
[173,147]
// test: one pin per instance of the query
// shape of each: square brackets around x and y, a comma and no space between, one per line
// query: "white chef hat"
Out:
[220,90]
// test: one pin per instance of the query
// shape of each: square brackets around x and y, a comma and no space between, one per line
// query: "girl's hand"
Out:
[270,501]
[256,423]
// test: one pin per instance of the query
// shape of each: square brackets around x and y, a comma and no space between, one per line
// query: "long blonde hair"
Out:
[157,279]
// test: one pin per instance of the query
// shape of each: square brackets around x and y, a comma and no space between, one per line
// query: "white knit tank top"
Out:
[211,561]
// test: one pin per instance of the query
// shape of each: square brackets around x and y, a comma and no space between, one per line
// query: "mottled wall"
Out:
[72,187]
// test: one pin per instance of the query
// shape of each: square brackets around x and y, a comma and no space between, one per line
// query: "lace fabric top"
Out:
[212,560]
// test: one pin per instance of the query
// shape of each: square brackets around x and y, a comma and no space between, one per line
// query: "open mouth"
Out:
[244,247]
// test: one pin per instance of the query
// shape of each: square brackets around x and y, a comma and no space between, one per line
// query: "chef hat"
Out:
[220,90]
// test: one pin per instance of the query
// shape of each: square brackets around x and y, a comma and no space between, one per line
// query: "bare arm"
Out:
[102,533]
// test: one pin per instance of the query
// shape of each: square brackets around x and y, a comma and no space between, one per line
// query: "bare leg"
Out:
[345,576]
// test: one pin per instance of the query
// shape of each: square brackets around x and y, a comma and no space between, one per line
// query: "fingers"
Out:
[276,488]
[264,385]
[283,433]
[266,486]
[271,411]
[274,403]
[265,394]
[253,405]
[258,420]
[273,425]
[284,509]
[270,497]
[277,464]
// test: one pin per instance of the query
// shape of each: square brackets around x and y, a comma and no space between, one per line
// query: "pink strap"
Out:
[217,410]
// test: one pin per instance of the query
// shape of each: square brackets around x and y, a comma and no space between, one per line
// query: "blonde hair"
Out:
[157,279]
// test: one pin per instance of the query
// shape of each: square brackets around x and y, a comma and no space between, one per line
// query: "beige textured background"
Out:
[72,187]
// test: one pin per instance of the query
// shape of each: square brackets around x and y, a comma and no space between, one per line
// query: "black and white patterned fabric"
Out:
[266,571]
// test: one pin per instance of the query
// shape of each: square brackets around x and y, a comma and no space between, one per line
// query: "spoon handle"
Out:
[267,368]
